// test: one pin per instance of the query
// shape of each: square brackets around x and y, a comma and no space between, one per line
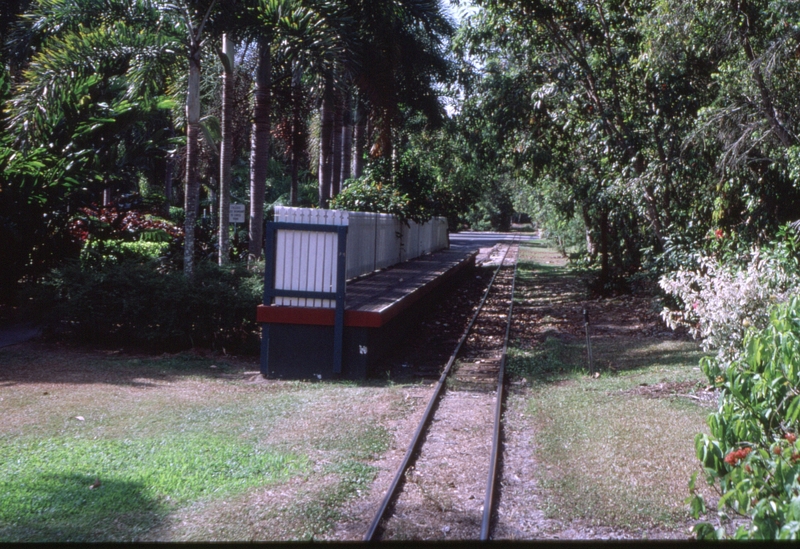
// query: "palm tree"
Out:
[347,136]
[195,25]
[298,128]
[299,32]
[89,111]
[393,54]
[93,88]
[326,122]
[260,145]
[226,148]
[359,136]
[139,38]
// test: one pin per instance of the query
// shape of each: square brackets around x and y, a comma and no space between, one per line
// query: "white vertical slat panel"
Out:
[430,233]
[336,217]
[360,243]
[403,231]
[387,243]
[424,241]
[326,258]
[413,241]
[301,254]
[292,238]
[279,257]
[442,241]
[283,275]
[280,266]
[307,261]
[316,252]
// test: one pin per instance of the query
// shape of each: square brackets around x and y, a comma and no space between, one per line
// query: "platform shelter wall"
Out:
[306,261]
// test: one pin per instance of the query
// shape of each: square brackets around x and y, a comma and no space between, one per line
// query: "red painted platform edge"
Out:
[319,317]
[272,314]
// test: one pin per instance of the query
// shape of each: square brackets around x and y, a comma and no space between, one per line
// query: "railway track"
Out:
[428,497]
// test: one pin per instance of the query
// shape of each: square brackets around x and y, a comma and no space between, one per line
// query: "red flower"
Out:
[734,457]
[791,437]
[719,234]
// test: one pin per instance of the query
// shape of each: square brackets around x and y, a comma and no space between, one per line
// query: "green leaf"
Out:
[705,531]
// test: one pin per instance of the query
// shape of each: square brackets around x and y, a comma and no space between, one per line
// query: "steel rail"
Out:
[488,502]
[423,424]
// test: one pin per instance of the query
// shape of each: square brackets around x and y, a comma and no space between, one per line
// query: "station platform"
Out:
[298,342]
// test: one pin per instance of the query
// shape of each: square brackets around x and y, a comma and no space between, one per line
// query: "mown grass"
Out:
[109,448]
[615,457]
[79,489]
[610,453]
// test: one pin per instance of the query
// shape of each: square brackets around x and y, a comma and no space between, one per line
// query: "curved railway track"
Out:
[473,372]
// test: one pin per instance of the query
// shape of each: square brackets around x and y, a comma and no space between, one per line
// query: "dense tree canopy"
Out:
[108,103]
[627,129]
[650,121]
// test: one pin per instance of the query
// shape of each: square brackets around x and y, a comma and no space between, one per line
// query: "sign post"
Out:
[236,213]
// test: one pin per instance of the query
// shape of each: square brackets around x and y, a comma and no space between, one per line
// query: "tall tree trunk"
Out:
[591,244]
[359,137]
[654,215]
[212,202]
[384,144]
[605,270]
[347,137]
[192,186]
[225,150]
[169,171]
[259,148]
[336,162]
[298,130]
[326,143]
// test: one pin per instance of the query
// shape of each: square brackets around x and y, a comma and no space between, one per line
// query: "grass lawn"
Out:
[101,447]
[615,450]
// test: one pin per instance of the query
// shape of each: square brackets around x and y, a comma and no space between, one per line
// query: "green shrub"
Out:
[719,297]
[368,195]
[132,303]
[752,455]
[101,253]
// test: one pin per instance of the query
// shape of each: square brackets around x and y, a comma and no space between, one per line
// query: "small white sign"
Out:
[236,213]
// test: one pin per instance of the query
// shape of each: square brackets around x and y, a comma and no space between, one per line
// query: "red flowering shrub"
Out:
[111,234]
[734,457]
[113,223]
[751,455]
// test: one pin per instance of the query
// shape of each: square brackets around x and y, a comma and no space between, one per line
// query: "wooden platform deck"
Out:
[374,300]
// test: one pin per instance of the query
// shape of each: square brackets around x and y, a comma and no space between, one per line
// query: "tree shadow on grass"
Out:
[76,508]
[556,357]
[35,362]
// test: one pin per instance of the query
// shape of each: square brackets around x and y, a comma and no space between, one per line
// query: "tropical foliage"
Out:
[752,455]
[112,102]
[652,139]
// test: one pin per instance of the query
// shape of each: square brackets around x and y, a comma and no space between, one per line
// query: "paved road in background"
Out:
[474,240]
